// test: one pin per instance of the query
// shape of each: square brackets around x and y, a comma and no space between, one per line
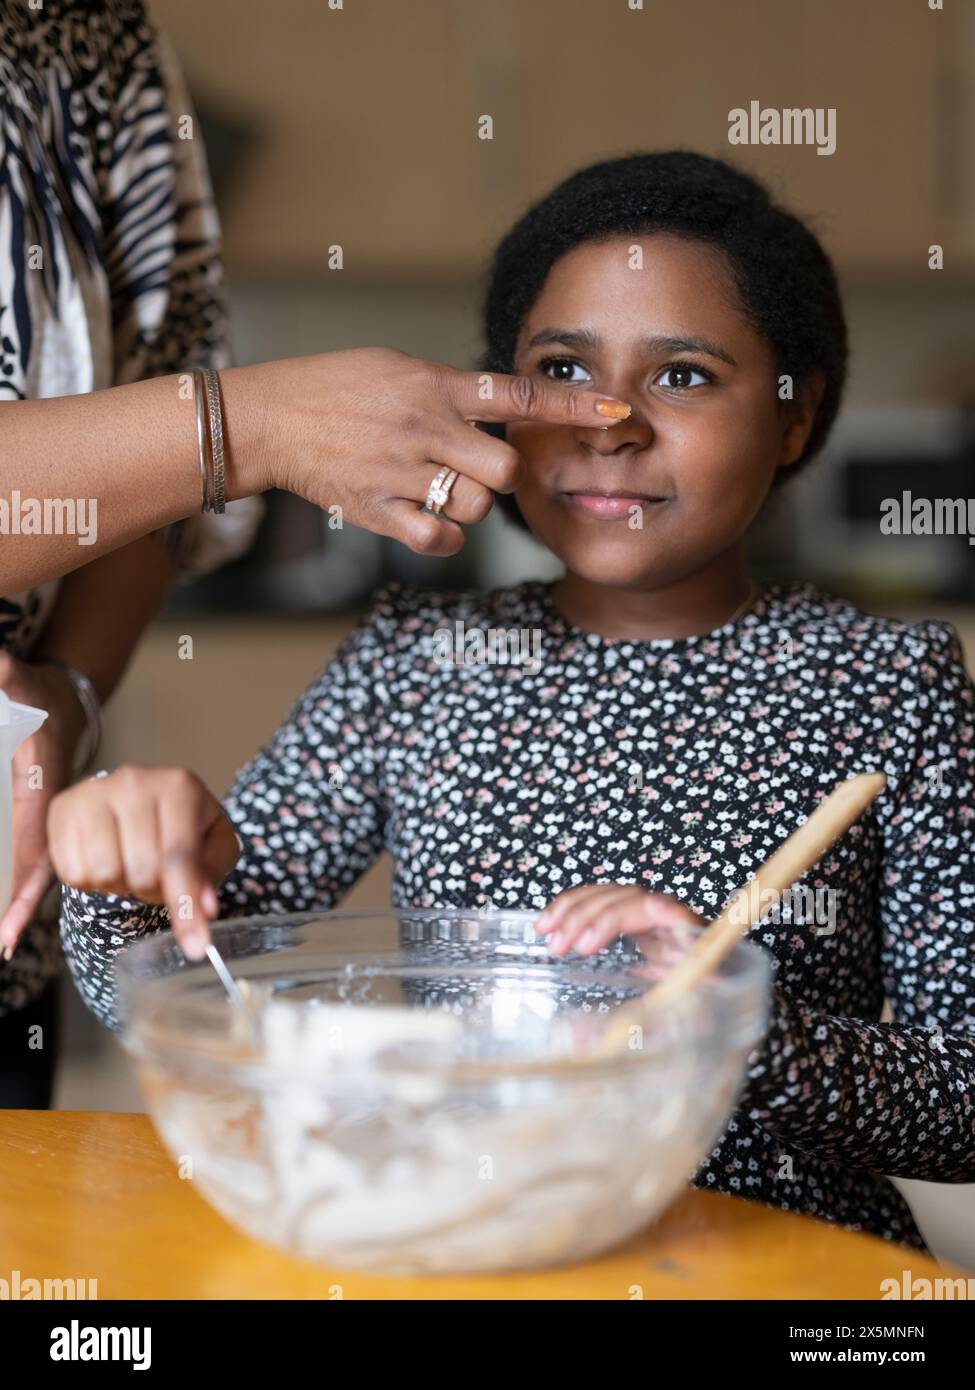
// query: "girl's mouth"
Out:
[611,504]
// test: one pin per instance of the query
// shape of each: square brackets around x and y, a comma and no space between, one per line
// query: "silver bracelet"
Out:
[91,706]
[200,394]
[218,488]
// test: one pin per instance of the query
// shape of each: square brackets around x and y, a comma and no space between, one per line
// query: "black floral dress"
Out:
[678,765]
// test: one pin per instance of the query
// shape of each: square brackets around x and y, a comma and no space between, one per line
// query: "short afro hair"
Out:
[783,276]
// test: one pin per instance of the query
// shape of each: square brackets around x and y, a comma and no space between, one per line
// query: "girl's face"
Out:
[653,500]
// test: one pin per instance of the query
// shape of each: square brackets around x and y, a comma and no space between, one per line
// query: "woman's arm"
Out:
[899,1098]
[98,618]
[122,462]
[364,431]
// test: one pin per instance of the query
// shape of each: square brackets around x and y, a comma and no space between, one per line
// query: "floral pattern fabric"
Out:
[679,765]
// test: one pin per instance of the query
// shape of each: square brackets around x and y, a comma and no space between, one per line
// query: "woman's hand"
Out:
[587,919]
[367,430]
[41,767]
[155,833]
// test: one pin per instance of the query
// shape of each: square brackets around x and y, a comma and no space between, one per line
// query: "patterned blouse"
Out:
[678,765]
[110,266]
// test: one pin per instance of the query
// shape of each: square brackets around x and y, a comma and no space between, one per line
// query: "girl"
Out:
[680,722]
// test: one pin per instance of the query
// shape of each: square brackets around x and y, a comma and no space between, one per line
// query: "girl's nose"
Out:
[632,434]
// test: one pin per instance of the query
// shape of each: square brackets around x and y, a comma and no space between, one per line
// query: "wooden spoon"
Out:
[791,860]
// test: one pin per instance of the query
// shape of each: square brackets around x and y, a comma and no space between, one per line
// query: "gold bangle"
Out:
[218,487]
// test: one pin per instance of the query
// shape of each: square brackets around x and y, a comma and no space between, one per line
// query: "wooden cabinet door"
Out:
[600,79]
[369,116]
[365,131]
[895,73]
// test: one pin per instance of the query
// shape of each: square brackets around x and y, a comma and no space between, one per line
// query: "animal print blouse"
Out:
[110,266]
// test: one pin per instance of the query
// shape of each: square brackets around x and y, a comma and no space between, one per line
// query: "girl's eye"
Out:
[564,369]
[682,376]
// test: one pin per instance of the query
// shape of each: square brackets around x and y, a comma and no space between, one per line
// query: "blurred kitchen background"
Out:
[357,126]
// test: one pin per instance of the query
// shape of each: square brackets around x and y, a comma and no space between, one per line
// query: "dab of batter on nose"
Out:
[613,410]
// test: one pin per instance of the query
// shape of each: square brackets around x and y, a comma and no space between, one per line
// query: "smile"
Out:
[611,505]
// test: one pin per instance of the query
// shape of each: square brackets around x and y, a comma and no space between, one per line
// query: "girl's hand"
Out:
[156,833]
[587,919]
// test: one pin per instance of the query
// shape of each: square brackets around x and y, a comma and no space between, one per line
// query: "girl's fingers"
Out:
[583,914]
[138,823]
[64,840]
[184,891]
[156,833]
[663,910]
[588,919]
[182,809]
[101,850]
[609,923]
[220,852]
[636,914]
[550,919]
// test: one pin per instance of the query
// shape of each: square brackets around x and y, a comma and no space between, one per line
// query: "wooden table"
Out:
[96,1196]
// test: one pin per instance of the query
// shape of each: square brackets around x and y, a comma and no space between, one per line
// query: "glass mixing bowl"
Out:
[415,1092]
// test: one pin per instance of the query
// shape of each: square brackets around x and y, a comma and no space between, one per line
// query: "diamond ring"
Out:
[438,494]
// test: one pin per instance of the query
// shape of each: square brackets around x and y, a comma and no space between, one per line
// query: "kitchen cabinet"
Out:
[897,75]
[367,117]
[364,135]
